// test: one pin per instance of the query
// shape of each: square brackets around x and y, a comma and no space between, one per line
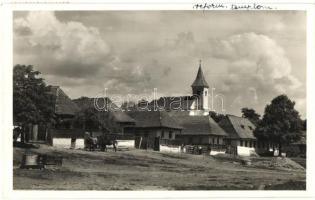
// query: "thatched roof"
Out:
[63,104]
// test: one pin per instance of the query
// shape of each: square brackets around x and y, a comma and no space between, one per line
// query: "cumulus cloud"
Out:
[258,69]
[248,63]
[83,55]
[65,49]
[255,53]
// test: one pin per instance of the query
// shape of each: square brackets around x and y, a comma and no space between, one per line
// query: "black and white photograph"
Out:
[159,100]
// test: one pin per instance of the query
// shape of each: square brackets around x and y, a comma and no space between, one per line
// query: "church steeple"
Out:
[200,80]
[200,89]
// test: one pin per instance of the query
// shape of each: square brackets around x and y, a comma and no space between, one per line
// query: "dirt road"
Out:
[147,170]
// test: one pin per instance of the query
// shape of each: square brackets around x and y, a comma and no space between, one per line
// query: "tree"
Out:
[217,117]
[87,119]
[304,124]
[128,106]
[32,102]
[251,115]
[91,119]
[143,104]
[281,123]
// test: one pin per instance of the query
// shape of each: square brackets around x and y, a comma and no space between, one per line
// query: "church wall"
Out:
[205,101]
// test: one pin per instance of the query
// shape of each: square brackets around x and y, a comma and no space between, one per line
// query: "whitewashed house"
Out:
[240,134]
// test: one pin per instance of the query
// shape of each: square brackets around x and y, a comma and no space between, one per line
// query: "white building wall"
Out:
[66,143]
[205,99]
[169,149]
[245,151]
[126,143]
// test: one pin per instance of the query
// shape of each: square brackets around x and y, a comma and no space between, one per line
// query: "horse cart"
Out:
[100,142]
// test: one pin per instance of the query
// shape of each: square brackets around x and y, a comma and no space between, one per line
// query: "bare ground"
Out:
[149,170]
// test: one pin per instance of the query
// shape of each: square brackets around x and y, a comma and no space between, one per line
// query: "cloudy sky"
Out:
[248,57]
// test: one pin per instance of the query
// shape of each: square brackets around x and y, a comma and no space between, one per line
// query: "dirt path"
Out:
[144,170]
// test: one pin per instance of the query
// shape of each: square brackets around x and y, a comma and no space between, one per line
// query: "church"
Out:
[191,123]
[197,103]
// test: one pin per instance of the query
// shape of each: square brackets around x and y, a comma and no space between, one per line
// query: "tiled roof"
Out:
[197,125]
[150,119]
[63,104]
[238,127]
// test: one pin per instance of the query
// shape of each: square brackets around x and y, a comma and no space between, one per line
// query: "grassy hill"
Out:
[147,170]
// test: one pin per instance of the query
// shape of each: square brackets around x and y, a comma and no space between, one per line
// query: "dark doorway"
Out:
[42,132]
[156,146]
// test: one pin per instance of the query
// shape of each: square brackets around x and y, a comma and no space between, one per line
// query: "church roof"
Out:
[173,103]
[200,80]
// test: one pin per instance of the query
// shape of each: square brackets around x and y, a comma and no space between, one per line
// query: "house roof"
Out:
[150,119]
[102,103]
[63,104]
[173,103]
[200,80]
[238,127]
[197,125]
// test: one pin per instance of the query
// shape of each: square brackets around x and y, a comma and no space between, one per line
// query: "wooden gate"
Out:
[231,150]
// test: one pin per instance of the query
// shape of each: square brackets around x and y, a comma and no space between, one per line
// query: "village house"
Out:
[154,128]
[192,113]
[63,133]
[199,130]
[111,118]
[64,111]
[240,134]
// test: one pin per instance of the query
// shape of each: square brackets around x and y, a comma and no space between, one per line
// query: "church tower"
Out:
[200,89]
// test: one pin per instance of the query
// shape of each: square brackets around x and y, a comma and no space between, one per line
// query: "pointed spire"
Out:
[200,80]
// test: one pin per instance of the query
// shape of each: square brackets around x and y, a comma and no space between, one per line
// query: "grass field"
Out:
[148,170]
